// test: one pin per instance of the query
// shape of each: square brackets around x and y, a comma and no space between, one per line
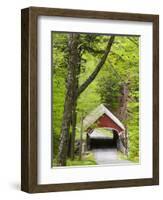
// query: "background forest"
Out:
[107,72]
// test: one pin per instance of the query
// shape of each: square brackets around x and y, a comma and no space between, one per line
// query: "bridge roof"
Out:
[93,116]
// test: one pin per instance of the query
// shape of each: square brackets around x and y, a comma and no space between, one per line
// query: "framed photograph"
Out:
[90,99]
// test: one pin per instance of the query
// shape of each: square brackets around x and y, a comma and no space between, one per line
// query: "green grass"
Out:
[86,160]
[121,156]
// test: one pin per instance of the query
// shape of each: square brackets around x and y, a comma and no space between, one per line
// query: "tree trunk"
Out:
[81,139]
[74,105]
[122,111]
[123,101]
[72,142]
[69,98]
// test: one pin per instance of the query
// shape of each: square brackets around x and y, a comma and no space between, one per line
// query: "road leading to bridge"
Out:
[105,155]
[108,156]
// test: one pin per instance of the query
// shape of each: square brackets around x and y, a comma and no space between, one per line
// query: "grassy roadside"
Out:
[87,159]
[121,156]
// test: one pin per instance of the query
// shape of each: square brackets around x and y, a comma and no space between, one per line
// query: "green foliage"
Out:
[108,89]
[59,69]
[133,129]
[122,65]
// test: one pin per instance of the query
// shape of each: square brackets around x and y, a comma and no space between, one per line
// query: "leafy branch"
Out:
[98,67]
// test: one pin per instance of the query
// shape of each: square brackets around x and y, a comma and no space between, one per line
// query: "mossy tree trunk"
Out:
[69,99]
[123,112]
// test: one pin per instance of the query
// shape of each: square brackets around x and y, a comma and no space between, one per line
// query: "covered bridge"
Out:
[101,117]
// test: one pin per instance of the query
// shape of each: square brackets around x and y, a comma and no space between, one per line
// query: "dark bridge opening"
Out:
[102,143]
[95,140]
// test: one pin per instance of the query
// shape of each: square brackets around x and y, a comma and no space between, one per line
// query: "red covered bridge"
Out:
[101,117]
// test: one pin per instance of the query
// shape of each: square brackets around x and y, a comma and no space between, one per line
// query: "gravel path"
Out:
[108,156]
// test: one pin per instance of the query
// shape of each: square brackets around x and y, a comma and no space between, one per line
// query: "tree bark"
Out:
[74,105]
[123,101]
[81,139]
[69,98]
[72,142]
[123,113]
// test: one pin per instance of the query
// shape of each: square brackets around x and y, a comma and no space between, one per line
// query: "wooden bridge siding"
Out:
[105,121]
